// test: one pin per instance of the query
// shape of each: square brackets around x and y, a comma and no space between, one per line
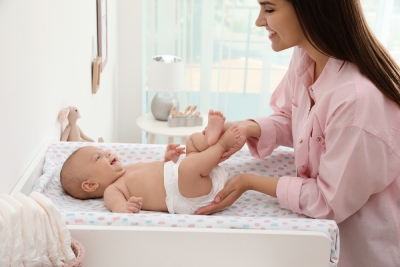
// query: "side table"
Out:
[153,127]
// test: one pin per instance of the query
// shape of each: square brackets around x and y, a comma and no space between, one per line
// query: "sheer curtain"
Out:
[230,65]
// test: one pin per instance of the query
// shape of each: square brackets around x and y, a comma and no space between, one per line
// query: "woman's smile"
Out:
[271,34]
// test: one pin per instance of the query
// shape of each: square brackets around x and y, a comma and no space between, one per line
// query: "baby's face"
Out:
[100,166]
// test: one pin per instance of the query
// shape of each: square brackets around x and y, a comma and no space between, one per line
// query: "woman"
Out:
[338,106]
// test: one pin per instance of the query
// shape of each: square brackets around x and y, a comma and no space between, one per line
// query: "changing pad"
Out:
[253,210]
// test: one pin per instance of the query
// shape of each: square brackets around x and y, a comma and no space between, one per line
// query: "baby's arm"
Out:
[115,201]
[174,152]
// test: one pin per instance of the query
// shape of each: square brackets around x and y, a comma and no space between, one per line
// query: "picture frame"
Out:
[102,34]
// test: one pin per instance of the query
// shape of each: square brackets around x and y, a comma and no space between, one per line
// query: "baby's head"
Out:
[88,171]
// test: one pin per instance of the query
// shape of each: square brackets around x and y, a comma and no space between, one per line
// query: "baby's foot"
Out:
[236,147]
[214,127]
[231,138]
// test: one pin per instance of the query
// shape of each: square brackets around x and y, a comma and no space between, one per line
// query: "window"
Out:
[230,65]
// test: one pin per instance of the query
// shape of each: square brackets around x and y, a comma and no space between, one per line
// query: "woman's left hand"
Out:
[233,189]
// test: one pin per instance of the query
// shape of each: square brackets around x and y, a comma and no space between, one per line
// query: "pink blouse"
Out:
[347,151]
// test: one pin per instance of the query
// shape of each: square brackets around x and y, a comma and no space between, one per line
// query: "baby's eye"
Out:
[98,157]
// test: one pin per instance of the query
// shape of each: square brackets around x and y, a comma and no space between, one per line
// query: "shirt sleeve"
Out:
[355,166]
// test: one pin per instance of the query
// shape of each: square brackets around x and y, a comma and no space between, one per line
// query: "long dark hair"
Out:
[338,28]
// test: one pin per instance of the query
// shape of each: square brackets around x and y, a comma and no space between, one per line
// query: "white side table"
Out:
[148,123]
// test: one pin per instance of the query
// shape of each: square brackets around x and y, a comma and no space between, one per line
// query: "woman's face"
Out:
[279,18]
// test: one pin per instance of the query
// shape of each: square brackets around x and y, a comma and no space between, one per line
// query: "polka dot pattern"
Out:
[253,210]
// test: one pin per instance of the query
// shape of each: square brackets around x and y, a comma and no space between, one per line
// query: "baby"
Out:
[157,186]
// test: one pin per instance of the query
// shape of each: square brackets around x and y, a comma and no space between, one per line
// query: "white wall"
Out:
[46,52]
[130,72]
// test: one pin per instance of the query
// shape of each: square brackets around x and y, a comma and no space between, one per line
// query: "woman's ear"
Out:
[89,186]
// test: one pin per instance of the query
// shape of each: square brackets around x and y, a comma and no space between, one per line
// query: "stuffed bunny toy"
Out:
[72,132]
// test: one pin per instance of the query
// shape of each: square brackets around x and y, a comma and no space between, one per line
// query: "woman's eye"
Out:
[269,10]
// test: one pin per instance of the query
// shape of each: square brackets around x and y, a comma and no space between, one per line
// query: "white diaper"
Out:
[176,203]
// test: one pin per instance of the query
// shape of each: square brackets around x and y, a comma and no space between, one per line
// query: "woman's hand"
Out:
[233,189]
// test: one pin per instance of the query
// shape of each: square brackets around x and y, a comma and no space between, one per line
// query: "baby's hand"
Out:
[134,204]
[174,152]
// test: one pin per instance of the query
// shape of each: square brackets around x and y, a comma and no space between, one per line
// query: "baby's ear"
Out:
[89,186]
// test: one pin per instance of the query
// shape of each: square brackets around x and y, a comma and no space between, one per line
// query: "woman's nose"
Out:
[260,21]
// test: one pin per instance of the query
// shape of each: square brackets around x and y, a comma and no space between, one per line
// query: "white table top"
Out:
[148,123]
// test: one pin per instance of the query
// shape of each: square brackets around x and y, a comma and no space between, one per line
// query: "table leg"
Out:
[183,140]
[170,139]
[151,138]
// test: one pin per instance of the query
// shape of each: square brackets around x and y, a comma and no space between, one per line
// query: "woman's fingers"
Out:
[209,209]
[230,152]
[215,207]
[226,197]
[223,159]
[234,149]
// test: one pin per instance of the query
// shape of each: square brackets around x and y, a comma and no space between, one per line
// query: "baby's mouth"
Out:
[113,161]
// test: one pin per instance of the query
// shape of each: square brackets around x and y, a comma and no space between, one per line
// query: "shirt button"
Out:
[319,139]
[301,141]
[304,166]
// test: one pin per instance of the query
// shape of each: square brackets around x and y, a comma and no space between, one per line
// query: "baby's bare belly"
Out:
[154,198]
[146,180]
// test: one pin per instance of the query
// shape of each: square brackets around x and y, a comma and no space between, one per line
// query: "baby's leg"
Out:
[196,143]
[214,127]
[193,172]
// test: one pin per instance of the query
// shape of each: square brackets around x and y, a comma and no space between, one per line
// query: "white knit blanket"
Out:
[32,232]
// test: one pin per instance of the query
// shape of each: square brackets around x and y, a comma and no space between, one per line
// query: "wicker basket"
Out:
[79,252]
